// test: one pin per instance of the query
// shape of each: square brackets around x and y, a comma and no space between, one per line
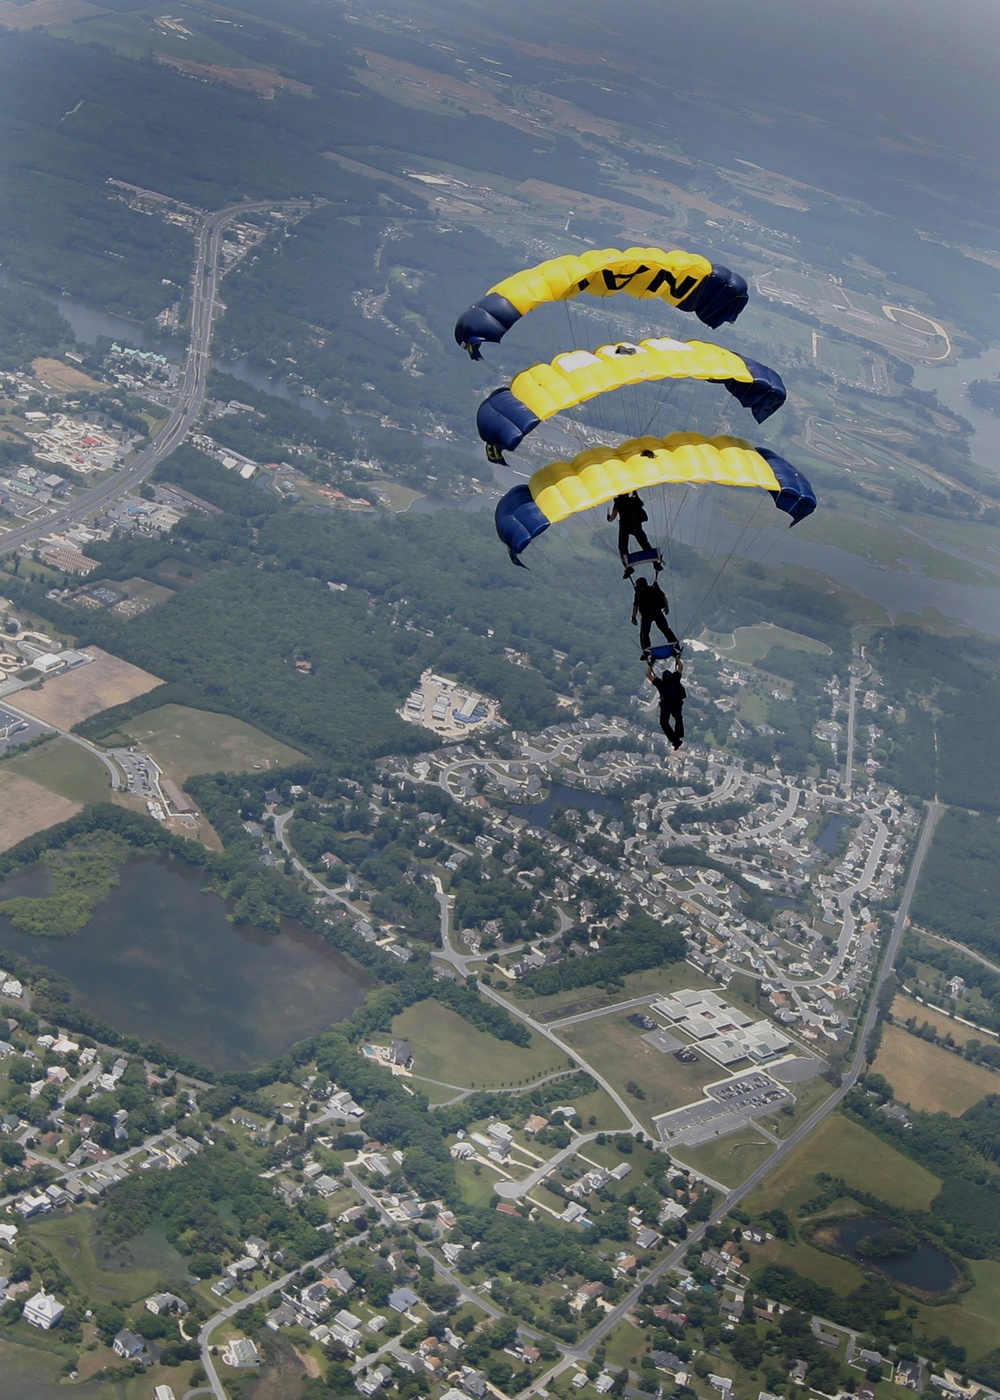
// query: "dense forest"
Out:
[958,894]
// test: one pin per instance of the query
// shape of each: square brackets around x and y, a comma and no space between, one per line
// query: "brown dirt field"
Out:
[27,807]
[440,82]
[929,1078]
[56,375]
[46,12]
[260,81]
[88,690]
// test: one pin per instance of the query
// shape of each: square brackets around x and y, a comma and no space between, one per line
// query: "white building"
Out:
[43,1311]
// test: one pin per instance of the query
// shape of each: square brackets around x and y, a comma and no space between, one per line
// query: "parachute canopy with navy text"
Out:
[687,281]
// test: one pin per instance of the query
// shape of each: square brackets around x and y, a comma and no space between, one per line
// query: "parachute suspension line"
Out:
[748,525]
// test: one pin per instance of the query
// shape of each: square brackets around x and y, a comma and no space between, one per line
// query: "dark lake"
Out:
[559,795]
[827,838]
[925,1268]
[160,960]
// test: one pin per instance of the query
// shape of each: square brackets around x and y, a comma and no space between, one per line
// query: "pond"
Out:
[160,960]
[927,1269]
[559,795]
[827,838]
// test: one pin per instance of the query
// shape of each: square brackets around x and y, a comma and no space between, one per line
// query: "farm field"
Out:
[447,1048]
[617,1049]
[904,1007]
[847,1150]
[56,374]
[27,807]
[927,1077]
[76,695]
[730,1159]
[65,768]
[185,741]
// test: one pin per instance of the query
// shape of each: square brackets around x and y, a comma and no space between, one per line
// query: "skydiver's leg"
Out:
[644,638]
[642,539]
[623,535]
[665,628]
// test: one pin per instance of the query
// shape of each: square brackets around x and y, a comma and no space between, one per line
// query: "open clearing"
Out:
[185,741]
[904,1007]
[107,680]
[972,1323]
[575,1000]
[27,807]
[847,1150]
[66,769]
[749,644]
[929,1078]
[731,1159]
[447,1048]
[136,1271]
[54,374]
[617,1050]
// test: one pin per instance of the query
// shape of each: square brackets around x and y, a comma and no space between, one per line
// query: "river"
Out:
[160,960]
[949,383]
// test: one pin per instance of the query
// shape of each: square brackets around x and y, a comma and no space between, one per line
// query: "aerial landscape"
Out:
[489,906]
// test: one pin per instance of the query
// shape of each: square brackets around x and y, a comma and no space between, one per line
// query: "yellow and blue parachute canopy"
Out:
[506,416]
[599,474]
[685,280]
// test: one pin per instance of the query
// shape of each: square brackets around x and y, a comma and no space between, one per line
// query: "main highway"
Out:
[191,394]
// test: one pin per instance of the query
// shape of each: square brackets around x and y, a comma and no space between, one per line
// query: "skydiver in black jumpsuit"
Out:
[648,607]
[672,696]
[630,513]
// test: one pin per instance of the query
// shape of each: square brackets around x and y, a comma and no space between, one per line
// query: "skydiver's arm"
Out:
[612,514]
[650,676]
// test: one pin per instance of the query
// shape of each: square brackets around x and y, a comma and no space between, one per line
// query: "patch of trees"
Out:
[29,326]
[959,886]
[484,1015]
[985,393]
[952,963]
[641,943]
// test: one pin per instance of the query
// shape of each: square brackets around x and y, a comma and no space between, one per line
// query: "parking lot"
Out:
[728,1105]
[18,730]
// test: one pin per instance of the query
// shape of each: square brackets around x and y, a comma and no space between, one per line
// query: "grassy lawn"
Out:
[599,1105]
[64,768]
[828,1269]
[575,1000]
[730,1159]
[617,1050]
[135,1271]
[845,1149]
[446,1047]
[749,644]
[436,1093]
[626,1345]
[927,1077]
[476,1190]
[398,497]
[186,741]
[808,1096]
[972,1322]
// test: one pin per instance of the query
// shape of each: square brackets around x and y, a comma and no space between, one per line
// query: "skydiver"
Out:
[631,515]
[650,606]
[672,696]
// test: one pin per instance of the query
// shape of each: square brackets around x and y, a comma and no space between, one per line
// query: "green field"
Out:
[828,1269]
[730,1159]
[143,1265]
[64,768]
[625,1346]
[616,1049]
[808,1096]
[447,1048]
[476,1190]
[749,644]
[847,1150]
[436,1093]
[973,1321]
[185,741]
[601,1106]
[574,1000]
[134,36]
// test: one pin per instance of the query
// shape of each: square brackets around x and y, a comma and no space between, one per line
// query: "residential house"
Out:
[401,1300]
[373,1380]
[43,1310]
[130,1347]
[909,1373]
[166,1303]
[241,1352]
